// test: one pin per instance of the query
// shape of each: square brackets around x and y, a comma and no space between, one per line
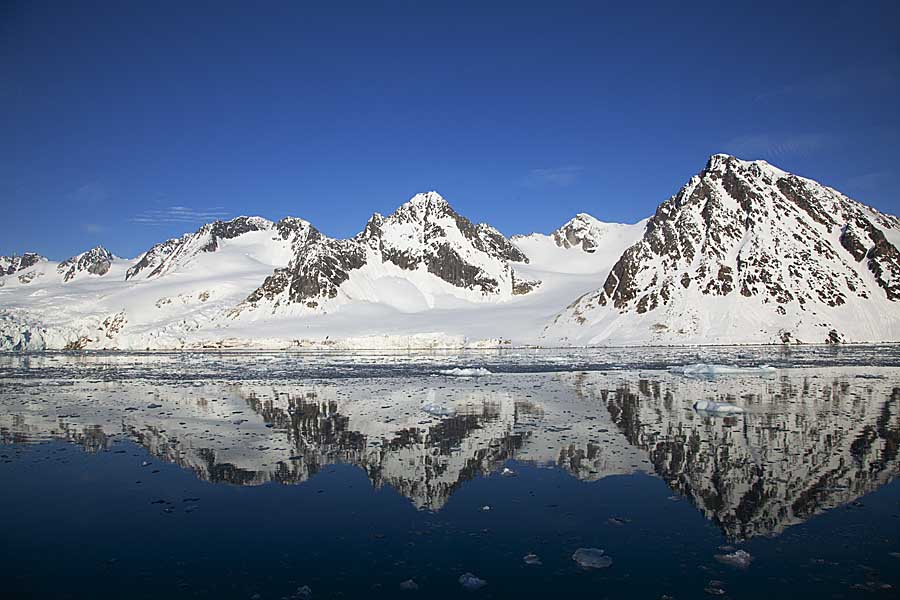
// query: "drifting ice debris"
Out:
[710,370]
[719,408]
[739,559]
[591,558]
[507,472]
[485,508]
[470,582]
[532,559]
[409,585]
[458,372]
[715,588]
[303,593]
[437,410]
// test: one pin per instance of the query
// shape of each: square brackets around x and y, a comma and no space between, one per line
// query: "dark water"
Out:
[129,476]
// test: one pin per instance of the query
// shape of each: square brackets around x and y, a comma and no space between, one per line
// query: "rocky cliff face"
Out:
[95,261]
[14,264]
[798,257]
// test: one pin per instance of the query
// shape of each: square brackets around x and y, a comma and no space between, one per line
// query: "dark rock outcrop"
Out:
[95,261]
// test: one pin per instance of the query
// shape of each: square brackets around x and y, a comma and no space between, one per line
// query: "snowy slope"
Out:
[746,253]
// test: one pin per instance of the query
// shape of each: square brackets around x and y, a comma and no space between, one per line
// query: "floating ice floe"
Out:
[740,559]
[507,472]
[303,593]
[467,372]
[592,558]
[532,559]
[437,410]
[711,370]
[409,585]
[470,582]
[718,408]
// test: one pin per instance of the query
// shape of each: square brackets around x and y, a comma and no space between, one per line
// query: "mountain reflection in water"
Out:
[811,439]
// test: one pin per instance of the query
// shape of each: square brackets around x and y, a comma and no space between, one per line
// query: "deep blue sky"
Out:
[125,123]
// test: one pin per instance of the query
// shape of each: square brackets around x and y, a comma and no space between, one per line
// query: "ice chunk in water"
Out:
[740,559]
[470,582]
[592,558]
[409,585]
[467,372]
[303,593]
[532,559]
[436,409]
[711,370]
[719,408]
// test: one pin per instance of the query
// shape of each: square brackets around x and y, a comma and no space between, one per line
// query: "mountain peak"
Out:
[95,261]
[719,163]
[428,198]
[423,204]
[14,263]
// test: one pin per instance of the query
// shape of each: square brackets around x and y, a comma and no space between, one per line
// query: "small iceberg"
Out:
[437,410]
[471,583]
[466,372]
[717,408]
[740,559]
[711,370]
[592,558]
[532,559]
[409,585]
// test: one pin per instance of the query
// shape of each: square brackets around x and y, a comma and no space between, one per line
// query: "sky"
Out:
[126,123]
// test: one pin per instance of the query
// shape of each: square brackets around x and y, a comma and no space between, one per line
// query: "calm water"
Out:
[253,475]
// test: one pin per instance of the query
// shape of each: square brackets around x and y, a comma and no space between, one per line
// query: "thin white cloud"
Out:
[179,214]
[776,145]
[559,176]
[842,82]
[92,227]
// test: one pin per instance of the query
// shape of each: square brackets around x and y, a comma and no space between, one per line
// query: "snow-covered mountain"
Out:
[168,256]
[14,264]
[744,253]
[424,243]
[96,261]
[748,253]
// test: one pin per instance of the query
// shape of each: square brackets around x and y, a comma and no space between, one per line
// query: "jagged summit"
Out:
[95,261]
[428,200]
[747,251]
[167,256]
[15,263]
[724,162]
[424,237]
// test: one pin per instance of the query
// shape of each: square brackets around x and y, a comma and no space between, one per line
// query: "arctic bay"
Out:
[502,473]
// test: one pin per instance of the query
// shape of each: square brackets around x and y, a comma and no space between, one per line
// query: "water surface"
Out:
[243,475]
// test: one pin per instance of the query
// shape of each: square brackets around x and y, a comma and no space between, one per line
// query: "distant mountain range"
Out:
[743,253]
